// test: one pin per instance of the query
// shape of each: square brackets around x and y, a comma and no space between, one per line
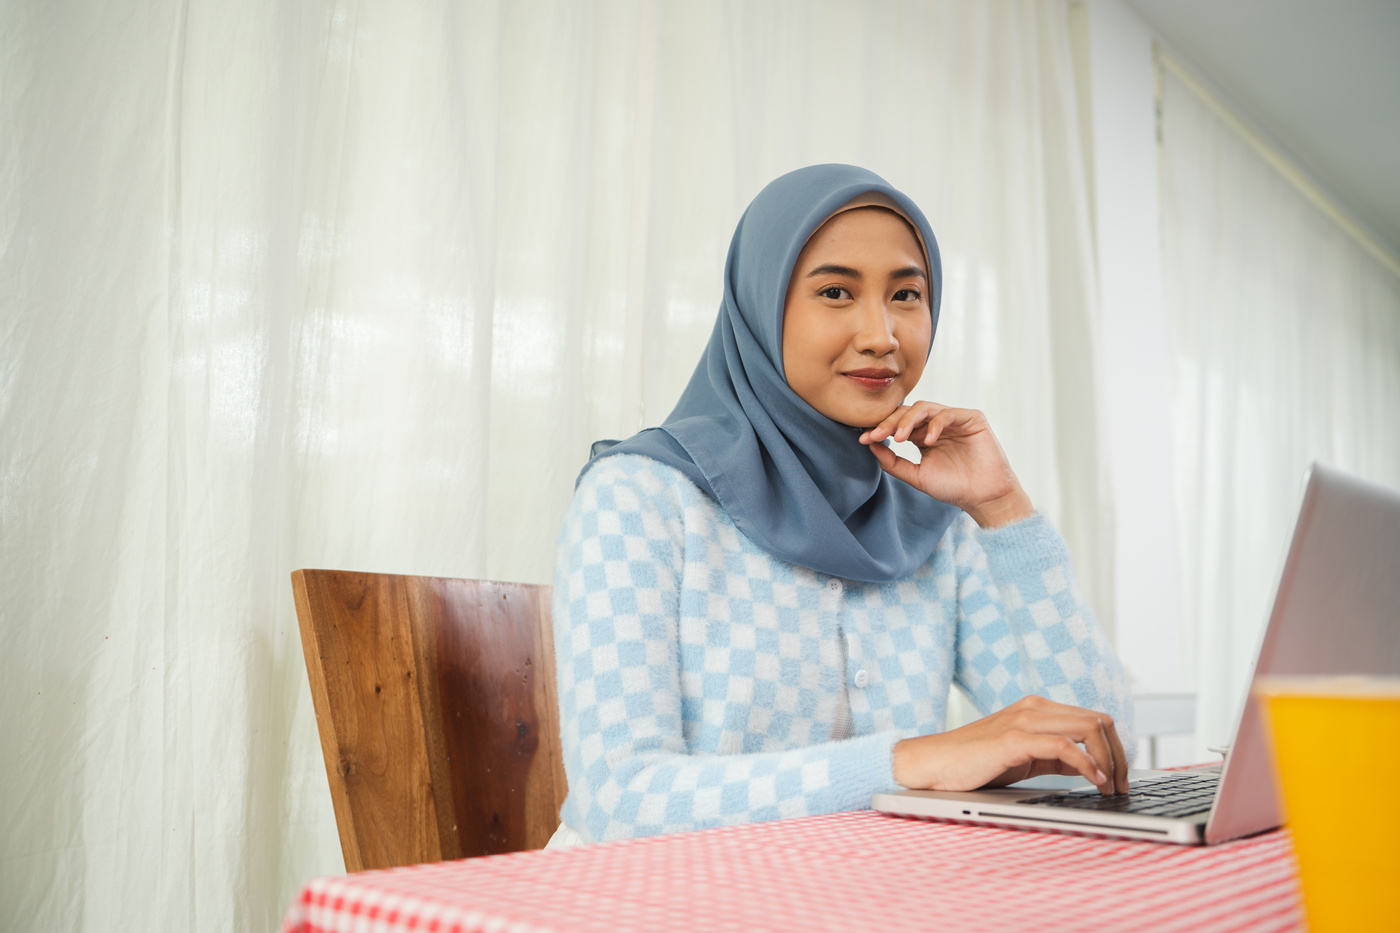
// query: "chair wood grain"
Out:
[436,707]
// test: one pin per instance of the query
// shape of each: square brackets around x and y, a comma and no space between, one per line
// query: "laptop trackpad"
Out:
[1049,782]
[1046,782]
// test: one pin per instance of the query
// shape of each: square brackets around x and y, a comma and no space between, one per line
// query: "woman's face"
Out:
[856,324]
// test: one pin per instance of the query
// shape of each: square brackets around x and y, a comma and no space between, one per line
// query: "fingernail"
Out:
[1099,778]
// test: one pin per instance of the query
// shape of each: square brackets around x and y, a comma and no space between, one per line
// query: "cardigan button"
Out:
[861,678]
[835,586]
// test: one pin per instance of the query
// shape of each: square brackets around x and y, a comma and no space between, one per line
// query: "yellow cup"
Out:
[1337,754]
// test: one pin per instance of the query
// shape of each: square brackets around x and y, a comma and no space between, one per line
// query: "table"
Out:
[844,872]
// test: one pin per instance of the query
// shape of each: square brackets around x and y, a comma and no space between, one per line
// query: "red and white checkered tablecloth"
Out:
[844,872]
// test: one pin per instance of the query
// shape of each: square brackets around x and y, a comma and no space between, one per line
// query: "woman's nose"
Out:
[876,331]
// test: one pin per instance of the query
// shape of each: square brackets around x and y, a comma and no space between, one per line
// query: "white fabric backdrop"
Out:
[1286,340]
[344,284]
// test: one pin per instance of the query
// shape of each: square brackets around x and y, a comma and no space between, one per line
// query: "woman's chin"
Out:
[865,417]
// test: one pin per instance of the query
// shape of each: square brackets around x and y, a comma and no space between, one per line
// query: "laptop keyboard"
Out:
[1175,795]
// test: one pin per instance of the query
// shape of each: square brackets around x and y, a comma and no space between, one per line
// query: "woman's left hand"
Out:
[961,462]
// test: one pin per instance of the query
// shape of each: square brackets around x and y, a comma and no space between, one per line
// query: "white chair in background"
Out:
[1160,714]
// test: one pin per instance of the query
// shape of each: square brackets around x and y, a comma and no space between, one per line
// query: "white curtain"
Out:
[354,284]
[1286,341]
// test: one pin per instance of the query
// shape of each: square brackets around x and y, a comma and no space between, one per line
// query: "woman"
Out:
[760,607]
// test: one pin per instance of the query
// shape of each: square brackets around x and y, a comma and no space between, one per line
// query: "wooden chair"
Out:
[435,700]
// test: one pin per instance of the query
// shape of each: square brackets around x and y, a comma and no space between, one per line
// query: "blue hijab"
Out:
[799,484]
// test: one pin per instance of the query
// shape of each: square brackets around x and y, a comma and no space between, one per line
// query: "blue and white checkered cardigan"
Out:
[700,677]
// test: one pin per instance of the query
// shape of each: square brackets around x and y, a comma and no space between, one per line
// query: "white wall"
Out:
[1122,102]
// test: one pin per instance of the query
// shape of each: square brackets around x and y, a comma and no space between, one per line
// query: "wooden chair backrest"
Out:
[435,700]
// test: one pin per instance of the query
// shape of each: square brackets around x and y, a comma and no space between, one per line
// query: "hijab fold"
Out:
[797,483]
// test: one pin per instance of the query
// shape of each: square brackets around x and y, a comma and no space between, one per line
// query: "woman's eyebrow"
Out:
[831,268]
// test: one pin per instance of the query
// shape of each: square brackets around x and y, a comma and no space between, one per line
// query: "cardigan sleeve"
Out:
[630,766]
[1025,628]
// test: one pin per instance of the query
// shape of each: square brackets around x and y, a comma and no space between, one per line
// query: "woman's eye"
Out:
[907,294]
[834,293]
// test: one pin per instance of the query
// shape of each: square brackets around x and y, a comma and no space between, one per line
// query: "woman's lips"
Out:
[872,378]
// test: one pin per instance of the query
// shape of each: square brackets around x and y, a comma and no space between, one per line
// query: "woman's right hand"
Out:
[1032,736]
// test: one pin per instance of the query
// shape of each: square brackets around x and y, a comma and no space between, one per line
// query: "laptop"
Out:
[1336,611]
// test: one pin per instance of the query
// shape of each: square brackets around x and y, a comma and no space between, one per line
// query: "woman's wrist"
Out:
[1003,510]
[900,765]
[911,760]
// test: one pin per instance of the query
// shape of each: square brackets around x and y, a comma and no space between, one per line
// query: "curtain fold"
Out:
[1286,340]
[351,284]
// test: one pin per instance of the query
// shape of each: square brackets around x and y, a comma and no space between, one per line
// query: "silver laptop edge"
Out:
[999,807]
[1333,612]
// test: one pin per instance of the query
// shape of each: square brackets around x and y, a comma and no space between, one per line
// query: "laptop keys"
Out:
[1174,796]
